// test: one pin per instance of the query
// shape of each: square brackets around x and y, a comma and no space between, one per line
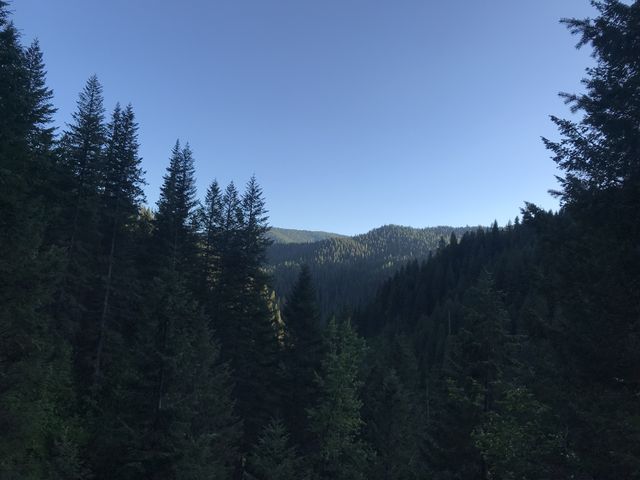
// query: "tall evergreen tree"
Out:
[39,436]
[255,227]
[178,392]
[273,457]
[473,370]
[393,413]
[40,98]
[593,258]
[175,219]
[335,419]
[121,201]
[244,312]
[212,226]
[178,396]
[81,162]
[394,429]
[304,352]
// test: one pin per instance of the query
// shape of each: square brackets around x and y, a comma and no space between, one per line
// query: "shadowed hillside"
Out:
[347,270]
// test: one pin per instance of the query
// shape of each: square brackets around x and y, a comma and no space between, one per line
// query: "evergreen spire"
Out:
[175,220]
[335,419]
[41,97]
[273,457]
[304,350]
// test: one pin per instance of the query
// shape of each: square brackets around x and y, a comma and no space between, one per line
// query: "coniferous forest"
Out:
[149,343]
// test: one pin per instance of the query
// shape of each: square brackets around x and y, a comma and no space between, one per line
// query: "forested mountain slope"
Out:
[290,235]
[347,270]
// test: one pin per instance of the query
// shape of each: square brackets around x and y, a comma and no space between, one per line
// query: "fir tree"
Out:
[273,457]
[474,372]
[36,398]
[244,309]
[212,226]
[255,227]
[189,429]
[81,183]
[335,419]
[394,420]
[40,96]
[175,219]
[592,257]
[121,201]
[304,352]
[180,397]
[522,439]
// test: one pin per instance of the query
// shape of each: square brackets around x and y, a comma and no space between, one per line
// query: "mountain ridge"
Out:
[347,270]
[293,235]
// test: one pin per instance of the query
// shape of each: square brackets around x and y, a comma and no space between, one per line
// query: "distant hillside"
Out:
[288,235]
[348,270]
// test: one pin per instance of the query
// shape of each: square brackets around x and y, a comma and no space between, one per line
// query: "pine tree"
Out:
[474,370]
[228,287]
[212,226]
[39,436]
[40,97]
[255,227]
[179,396]
[304,352]
[522,439]
[81,183]
[392,412]
[273,458]
[116,295]
[176,216]
[243,309]
[121,201]
[592,256]
[83,145]
[335,419]
[177,391]
[600,152]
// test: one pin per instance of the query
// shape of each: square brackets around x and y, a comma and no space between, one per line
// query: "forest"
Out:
[346,271]
[143,342]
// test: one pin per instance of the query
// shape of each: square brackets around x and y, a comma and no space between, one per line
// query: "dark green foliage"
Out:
[336,418]
[40,97]
[600,152]
[175,220]
[243,309]
[255,228]
[121,200]
[474,372]
[521,440]
[394,425]
[304,351]
[81,167]
[185,426]
[273,457]
[212,227]
[39,434]
[597,278]
[348,270]
[288,235]
[176,389]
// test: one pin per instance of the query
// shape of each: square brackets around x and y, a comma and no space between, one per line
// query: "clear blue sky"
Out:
[351,113]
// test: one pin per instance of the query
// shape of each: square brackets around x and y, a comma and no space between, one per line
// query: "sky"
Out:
[351,113]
